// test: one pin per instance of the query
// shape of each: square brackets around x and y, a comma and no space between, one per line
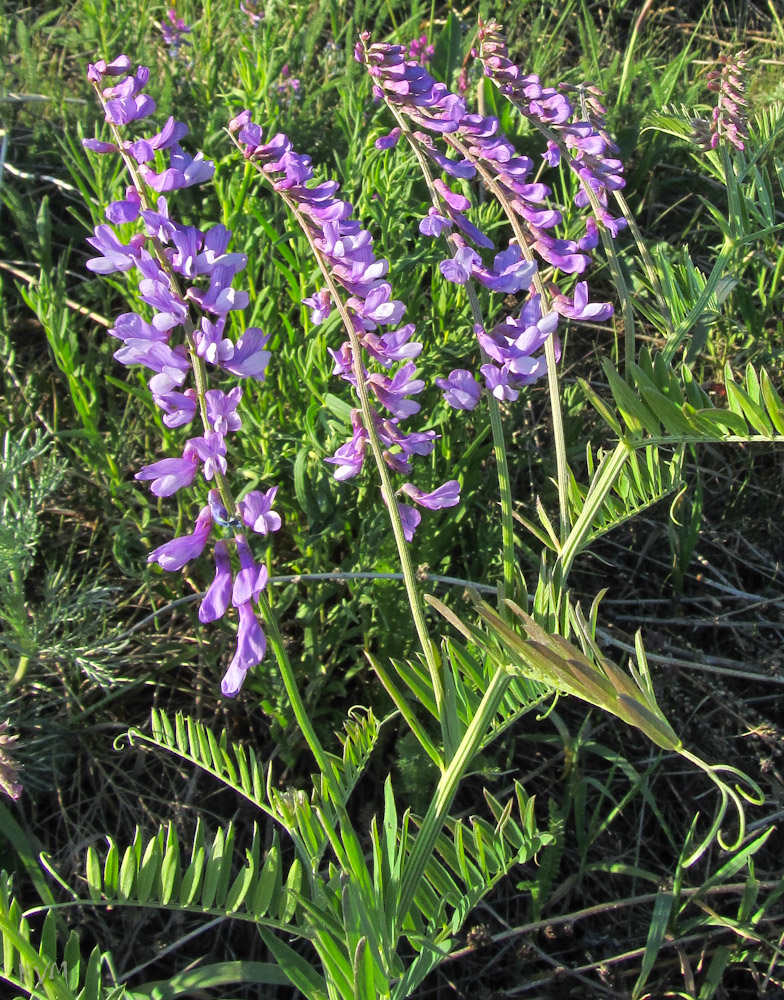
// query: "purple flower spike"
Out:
[175,554]
[257,513]
[447,495]
[461,390]
[216,600]
[251,647]
[169,475]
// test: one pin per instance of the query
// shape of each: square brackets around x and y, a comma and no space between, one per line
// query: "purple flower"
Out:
[388,141]
[458,268]
[216,601]
[211,449]
[579,308]
[461,390]
[210,342]
[410,518]
[251,579]
[321,304]
[116,256]
[350,457]
[498,383]
[250,359]
[434,223]
[447,495]
[220,298]
[185,171]
[170,474]
[257,513]
[119,212]
[222,409]
[392,392]
[251,647]
[179,407]
[175,554]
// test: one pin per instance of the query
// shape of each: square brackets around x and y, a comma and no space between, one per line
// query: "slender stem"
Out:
[297,704]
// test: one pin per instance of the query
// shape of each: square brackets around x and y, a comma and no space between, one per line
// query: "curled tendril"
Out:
[746,789]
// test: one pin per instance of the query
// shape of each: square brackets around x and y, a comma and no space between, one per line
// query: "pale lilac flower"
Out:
[257,513]
[461,390]
[170,474]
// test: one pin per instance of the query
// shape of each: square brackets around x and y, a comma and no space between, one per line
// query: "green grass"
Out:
[83,657]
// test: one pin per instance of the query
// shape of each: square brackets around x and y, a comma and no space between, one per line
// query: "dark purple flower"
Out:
[388,141]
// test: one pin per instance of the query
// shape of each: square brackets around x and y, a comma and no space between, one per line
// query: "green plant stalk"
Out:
[438,811]
[409,578]
[496,424]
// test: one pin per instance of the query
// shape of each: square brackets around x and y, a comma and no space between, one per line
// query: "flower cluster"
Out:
[346,253]
[730,116]
[436,113]
[420,50]
[578,134]
[181,268]
[174,32]
[287,87]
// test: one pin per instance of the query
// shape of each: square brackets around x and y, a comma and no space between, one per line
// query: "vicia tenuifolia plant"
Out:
[351,907]
[186,278]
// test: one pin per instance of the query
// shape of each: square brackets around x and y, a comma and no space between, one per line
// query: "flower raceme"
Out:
[434,114]
[182,270]
[345,253]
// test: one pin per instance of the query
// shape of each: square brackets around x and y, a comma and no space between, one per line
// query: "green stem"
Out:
[437,813]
